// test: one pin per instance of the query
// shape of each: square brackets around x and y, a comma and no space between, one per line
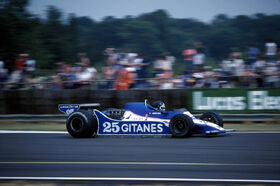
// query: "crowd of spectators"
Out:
[247,69]
[128,70]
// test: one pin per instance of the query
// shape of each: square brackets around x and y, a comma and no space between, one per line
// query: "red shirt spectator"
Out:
[124,80]
[20,61]
[189,53]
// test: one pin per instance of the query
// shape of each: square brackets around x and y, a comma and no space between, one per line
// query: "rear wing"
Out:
[69,108]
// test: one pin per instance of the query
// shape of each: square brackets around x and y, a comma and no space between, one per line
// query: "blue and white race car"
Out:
[138,118]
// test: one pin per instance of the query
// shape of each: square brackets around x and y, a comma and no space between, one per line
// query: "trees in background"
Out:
[59,38]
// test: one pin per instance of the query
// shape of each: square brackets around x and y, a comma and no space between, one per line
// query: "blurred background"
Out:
[138,45]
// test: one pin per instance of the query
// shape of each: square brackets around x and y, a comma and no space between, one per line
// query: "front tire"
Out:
[81,124]
[181,126]
[213,117]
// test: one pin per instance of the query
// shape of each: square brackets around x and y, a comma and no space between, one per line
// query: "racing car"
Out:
[138,118]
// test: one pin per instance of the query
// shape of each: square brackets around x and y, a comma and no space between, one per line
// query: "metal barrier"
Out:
[61,118]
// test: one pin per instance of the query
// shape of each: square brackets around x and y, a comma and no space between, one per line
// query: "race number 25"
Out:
[111,127]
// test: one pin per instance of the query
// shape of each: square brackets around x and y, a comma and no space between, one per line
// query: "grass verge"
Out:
[45,126]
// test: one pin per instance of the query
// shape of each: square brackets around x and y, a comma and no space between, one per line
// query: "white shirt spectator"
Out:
[259,65]
[158,64]
[30,65]
[271,49]
[166,65]
[226,65]
[136,62]
[198,59]
[170,61]
[238,65]
[3,71]
[87,74]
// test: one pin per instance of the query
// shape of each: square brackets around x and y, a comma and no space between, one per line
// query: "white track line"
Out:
[140,179]
[31,132]
[64,132]
[253,132]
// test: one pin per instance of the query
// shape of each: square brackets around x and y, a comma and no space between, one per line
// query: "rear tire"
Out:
[81,124]
[181,126]
[213,117]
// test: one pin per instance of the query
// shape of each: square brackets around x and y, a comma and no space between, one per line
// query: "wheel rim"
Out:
[179,126]
[76,124]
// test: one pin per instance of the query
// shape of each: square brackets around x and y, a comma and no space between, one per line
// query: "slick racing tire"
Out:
[81,124]
[181,126]
[213,117]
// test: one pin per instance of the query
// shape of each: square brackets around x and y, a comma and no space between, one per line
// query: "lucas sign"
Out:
[228,100]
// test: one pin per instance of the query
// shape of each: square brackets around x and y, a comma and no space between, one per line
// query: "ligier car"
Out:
[138,118]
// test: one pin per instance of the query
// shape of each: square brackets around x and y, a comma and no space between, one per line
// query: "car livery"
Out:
[138,118]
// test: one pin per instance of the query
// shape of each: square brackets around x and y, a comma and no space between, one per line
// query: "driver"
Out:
[159,106]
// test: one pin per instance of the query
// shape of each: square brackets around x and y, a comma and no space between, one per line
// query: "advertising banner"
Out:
[235,100]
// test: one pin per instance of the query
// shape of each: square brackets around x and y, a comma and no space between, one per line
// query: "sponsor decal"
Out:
[68,108]
[131,128]
[254,100]
[110,126]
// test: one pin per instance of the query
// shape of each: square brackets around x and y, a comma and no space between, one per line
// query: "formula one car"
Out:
[138,118]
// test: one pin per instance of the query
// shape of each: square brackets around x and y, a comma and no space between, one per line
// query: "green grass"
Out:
[33,126]
[254,127]
[240,127]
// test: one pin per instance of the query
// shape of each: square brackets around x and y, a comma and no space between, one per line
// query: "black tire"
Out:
[213,117]
[81,124]
[181,126]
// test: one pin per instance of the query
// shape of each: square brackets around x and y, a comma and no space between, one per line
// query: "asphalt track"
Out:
[245,156]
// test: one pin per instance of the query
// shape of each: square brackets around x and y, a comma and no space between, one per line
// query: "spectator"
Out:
[270,50]
[252,55]
[238,67]
[170,60]
[199,47]
[141,64]
[110,71]
[271,75]
[235,54]
[158,65]
[110,53]
[259,68]
[68,77]
[3,72]
[198,61]
[238,70]
[20,61]
[85,74]
[226,66]
[164,82]
[125,78]
[30,67]
[15,81]
[56,83]
[188,58]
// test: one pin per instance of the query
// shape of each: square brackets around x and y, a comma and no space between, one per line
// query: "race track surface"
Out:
[234,156]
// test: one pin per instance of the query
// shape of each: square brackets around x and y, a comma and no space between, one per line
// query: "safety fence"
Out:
[221,100]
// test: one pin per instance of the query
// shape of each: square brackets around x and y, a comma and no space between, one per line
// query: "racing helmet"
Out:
[159,105]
